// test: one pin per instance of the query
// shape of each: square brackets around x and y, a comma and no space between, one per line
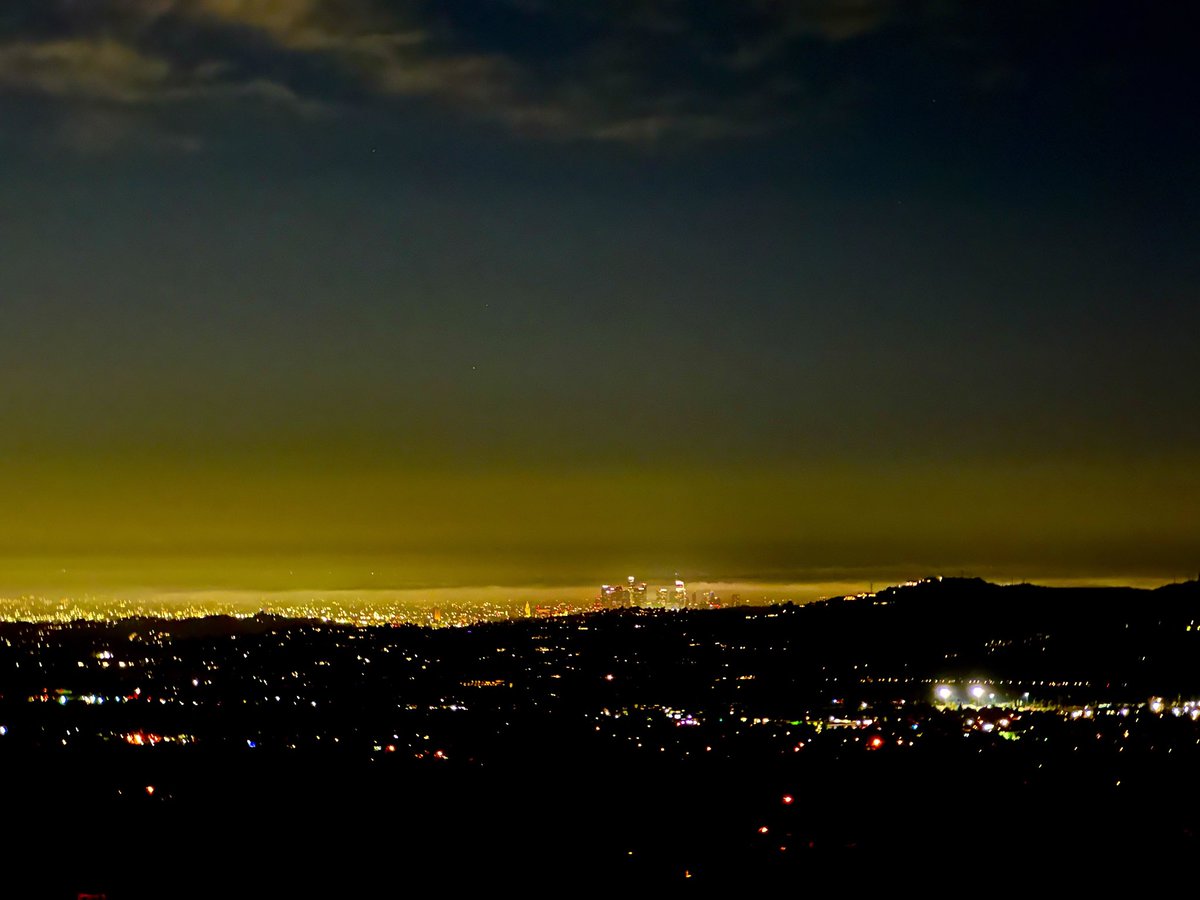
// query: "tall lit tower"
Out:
[613,596]
[637,592]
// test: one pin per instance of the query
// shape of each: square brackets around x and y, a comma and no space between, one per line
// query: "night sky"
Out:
[523,291]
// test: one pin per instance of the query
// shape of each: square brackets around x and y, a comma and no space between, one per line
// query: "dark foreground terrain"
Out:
[943,737]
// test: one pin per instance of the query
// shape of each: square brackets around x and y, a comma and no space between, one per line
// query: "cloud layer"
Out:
[628,72]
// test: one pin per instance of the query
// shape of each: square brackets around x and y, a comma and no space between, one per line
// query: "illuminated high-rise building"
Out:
[614,595]
[680,595]
[632,593]
[637,592]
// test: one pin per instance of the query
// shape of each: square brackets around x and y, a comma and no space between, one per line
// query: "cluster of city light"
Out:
[366,611]
[975,694]
[680,717]
[1189,708]
[111,609]
[151,739]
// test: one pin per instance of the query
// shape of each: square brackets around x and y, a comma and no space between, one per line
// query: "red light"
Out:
[788,799]
[762,829]
[876,742]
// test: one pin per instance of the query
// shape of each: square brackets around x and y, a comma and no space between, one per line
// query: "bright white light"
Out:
[976,691]
[944,693]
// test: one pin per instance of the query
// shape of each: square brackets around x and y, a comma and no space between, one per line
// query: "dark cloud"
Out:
[100,68]
[629,71]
